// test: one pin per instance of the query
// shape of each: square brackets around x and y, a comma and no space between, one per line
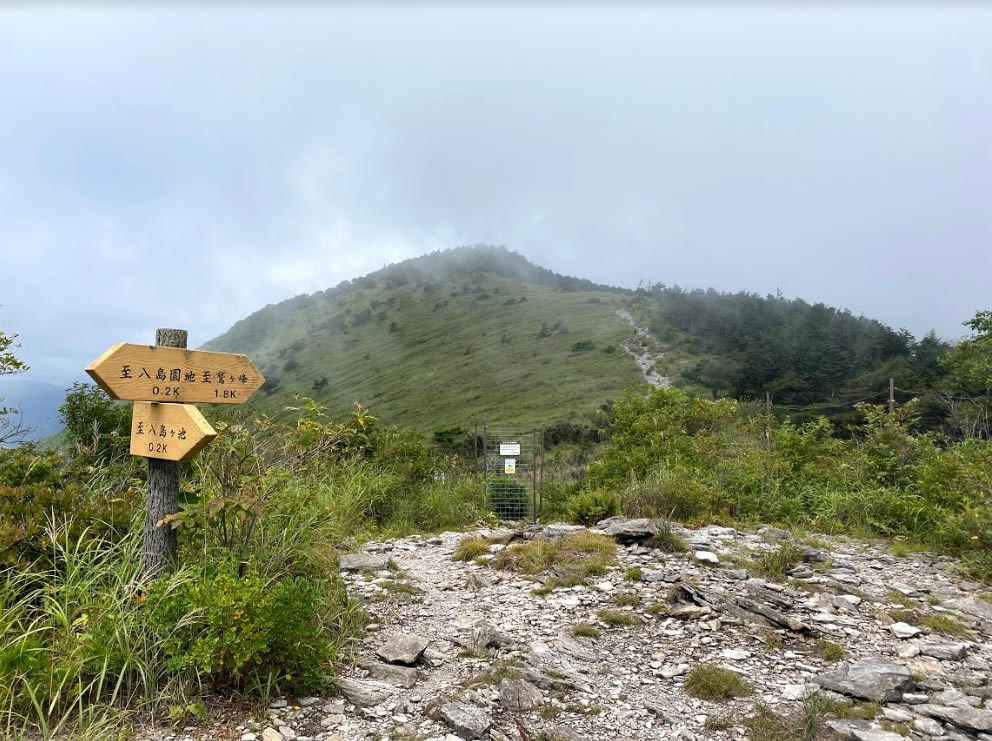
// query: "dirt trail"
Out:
[640,350]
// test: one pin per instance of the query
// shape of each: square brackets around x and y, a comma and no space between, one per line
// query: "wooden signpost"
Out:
[161,379]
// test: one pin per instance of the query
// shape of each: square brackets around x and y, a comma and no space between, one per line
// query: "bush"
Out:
[583,346]
[239,631]
[29,465]
[27,511]
[589,507]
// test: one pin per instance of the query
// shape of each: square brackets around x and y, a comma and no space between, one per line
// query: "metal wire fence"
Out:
[511,465]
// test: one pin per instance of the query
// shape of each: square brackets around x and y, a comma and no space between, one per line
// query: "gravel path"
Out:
[469,619]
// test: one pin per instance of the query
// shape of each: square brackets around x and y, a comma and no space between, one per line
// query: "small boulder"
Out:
[904,630]
[972,605]
[359,561]
[402,649]
[872,678]
[519,695]
[945,651]
[629,531]
[467,721]
[706,557]
[362,692]
[970,719]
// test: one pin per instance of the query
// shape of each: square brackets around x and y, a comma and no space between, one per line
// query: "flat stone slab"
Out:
[363,693]
[872,678]
[403,648]
[467,721]
[519,695]
[358,561]
[904,630]
[626,531]
[944,650]
[971,719]
[972,605]
[398,676]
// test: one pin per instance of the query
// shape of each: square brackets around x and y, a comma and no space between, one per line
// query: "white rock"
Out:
[706,557]
[904,630]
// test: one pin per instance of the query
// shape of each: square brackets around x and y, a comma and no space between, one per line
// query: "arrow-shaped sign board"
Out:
[173,432]
[169,374]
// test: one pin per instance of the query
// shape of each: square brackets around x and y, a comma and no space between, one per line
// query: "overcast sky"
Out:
[184,168]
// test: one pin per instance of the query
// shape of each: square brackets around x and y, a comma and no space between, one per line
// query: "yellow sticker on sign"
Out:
[509,465]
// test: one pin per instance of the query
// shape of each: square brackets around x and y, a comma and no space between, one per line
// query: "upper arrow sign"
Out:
[168,374]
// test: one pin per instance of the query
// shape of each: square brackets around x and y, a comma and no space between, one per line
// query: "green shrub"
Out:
[589,507]
[583,346]
[235,631]
[27,511]
[29,465]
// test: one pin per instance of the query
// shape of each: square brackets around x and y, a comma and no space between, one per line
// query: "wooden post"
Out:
[161,546]
[533,473]
[892,395]
[768,420]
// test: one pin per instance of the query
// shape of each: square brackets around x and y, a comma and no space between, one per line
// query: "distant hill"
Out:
[38,401]
[481,332]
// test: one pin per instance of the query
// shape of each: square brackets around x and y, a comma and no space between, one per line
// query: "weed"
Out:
[658,608]
[898,598]
[773,640]
[470,548]
[829,651]
[400,586]
[614,618]
[719,722]
[633,574]
[714,683]
[574,557]
[626,600]
[776,564]
[665,540]
[945,625]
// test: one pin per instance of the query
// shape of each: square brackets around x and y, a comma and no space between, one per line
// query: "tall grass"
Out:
[73,655]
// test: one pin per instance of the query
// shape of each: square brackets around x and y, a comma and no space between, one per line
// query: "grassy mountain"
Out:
[443,338]
[482,332]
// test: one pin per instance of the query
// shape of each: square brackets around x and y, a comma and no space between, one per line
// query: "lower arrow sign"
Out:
[173,432]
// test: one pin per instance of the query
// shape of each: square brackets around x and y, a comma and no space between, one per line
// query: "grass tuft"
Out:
[945,625]
[776,564]
[626,600]
[585,630]
[615,618]
[830,651]
[716,684]
[470,548]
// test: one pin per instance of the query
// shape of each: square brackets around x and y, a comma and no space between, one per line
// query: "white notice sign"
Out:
[509,465]
[509,448]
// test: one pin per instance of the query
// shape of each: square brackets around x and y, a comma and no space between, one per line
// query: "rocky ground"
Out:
[894,646]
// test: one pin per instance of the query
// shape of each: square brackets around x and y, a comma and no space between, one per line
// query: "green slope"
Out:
[435,341]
